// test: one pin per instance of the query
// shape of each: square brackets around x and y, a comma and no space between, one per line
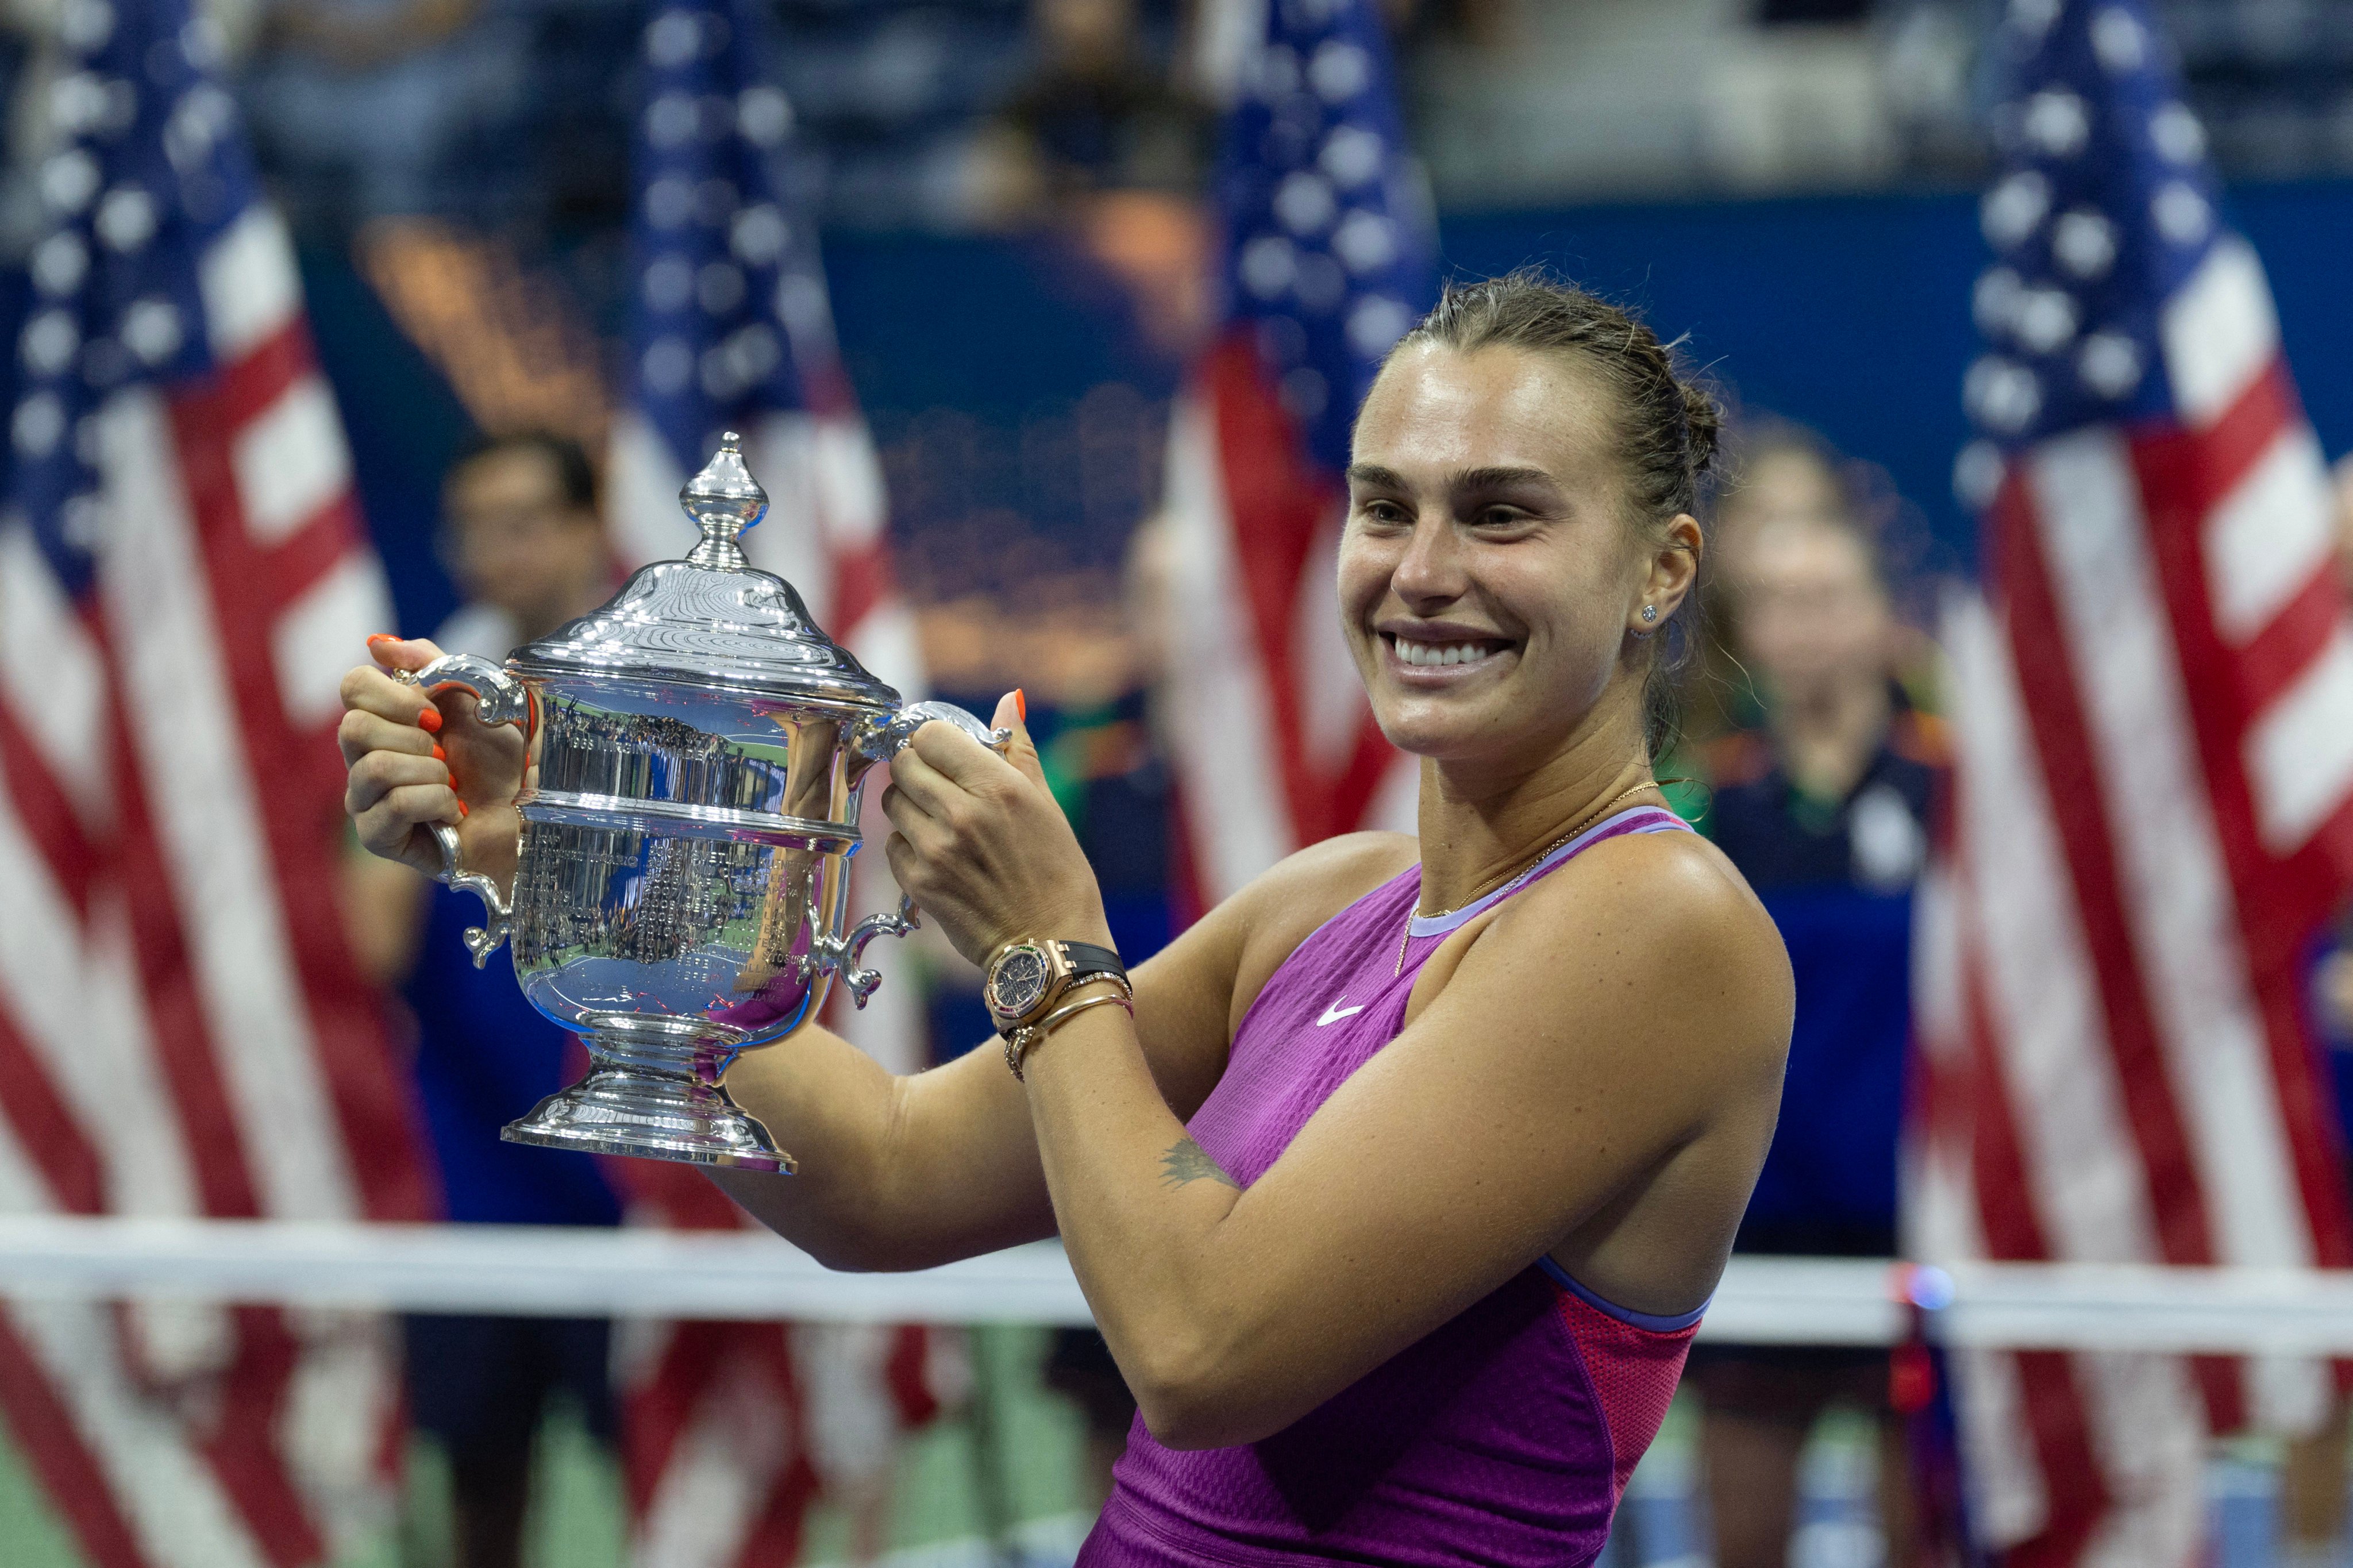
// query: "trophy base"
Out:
[674,1108]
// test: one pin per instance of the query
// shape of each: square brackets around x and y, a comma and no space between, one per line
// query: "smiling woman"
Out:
[1657,434]
[1398,1182]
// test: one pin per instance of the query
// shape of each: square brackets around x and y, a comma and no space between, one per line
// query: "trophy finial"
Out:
[723,499]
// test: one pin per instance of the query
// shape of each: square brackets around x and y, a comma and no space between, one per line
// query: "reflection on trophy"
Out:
[681,891]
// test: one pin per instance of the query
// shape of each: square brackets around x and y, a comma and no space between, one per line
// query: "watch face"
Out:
[1018,982]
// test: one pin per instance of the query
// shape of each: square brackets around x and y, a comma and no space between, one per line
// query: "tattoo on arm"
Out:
[1185,1162]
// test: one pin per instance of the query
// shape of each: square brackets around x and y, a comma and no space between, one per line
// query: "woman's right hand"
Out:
[417,758]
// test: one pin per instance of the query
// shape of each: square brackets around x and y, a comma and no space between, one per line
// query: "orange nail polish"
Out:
[461,808]
[429,720]
[382,636]
[439,755]
[1020,706]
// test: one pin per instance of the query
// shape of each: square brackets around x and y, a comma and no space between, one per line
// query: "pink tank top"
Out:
[1505,1435]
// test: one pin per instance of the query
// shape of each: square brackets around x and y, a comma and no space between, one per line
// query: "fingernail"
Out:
[439,755]
[1020,706]
[429,720]
[382,636]
[461,808]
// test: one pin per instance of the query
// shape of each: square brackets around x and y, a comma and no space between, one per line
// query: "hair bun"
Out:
[1703,427]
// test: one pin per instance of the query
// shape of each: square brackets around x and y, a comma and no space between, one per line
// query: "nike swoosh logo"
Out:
[1334,1013]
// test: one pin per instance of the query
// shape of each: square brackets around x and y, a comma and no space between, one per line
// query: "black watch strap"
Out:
[1088,960]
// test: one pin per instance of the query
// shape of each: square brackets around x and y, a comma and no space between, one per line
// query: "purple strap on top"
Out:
[1633,819]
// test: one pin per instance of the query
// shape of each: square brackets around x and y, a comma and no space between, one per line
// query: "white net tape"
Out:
[536,1271]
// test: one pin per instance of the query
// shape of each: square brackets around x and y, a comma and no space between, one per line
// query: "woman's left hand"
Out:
[981,845]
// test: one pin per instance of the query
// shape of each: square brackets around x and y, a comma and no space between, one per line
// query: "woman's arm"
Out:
[905,1173]
[1626,1016]
[1582,1045]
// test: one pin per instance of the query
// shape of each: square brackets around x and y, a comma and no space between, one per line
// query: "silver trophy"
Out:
[683,889]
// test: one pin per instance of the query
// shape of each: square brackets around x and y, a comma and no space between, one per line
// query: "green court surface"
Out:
[1005,1467]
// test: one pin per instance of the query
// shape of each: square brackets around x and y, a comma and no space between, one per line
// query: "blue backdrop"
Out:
[1848,313]
[1852,313]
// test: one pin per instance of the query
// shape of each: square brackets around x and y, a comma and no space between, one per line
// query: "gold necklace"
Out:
[1532,863]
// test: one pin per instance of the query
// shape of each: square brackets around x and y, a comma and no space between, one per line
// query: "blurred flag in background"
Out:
[183,581]
[731,1427]
[2154,721]
[1330,255]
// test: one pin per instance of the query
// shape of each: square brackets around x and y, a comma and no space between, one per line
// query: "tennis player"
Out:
[1398,1183]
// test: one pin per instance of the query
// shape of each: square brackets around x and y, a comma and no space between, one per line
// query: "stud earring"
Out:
[1650,612]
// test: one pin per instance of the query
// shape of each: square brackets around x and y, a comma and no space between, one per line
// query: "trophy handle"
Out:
[881,739]
[502,700]
[483,939]
[881,742]
[862,981]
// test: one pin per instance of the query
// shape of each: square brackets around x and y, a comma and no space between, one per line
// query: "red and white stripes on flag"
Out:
[181,1030]
[1327,255]
[1272,743]
[2153,712]
[731,1428]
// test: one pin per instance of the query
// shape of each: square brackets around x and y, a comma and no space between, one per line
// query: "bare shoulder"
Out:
[1670,915]
[1282,906]
[1680,876]
[1308,888]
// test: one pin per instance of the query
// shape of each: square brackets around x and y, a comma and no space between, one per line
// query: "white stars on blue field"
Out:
[718,249]
[150,172]
[1330,254]
[2102,209]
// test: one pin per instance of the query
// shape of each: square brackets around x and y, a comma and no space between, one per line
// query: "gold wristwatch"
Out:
[1028,979]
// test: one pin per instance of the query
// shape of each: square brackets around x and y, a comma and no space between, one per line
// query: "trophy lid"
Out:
[712,619]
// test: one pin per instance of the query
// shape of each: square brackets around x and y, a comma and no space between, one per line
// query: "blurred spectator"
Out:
[524,541]
[1824,809]
[1095,117]
[1817,13]
[24,126]
[362,107]
[2313,1485]
[1783,472]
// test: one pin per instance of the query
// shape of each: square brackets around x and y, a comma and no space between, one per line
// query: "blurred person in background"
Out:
[524,541]
[1824,808]
[2313,1481]
[1094,116]
[363,106]
[1782,473]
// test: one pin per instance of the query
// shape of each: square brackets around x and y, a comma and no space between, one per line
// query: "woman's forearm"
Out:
[895,1172]
[1140,1209]
[826,1104]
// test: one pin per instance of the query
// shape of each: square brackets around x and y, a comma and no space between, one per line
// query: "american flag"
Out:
[2154,725]
[1329,256]
[183,580]
[731,1428]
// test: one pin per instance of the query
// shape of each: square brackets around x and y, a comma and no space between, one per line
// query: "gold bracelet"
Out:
[1019,1043]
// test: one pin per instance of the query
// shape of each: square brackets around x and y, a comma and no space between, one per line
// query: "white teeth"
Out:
[1435,654]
